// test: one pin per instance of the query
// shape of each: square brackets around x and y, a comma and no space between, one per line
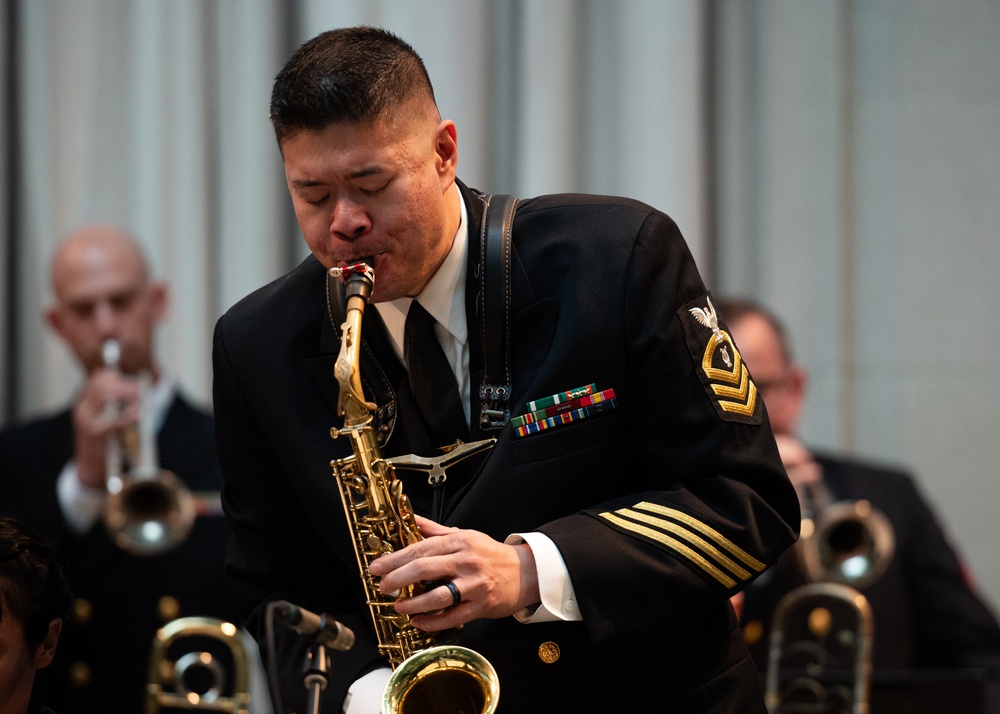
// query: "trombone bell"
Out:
[850,542]
[213,675]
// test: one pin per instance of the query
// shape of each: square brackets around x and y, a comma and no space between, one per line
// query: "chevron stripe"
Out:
[741,400]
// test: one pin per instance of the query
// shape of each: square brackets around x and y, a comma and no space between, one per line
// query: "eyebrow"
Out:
[367,171]
[360,173]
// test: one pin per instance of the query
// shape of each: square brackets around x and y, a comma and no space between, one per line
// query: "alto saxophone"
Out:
[427,677]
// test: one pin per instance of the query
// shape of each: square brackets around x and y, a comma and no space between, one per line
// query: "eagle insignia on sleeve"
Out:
[718,363]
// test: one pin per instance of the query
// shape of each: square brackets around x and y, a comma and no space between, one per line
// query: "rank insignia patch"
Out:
[718,364]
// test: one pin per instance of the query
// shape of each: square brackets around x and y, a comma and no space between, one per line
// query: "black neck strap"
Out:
[494,311]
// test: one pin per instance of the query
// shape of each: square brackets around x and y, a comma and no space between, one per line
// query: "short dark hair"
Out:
[354,74]
[735,309]
[33,585]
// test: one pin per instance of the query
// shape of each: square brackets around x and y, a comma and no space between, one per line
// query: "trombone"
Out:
[848,542]
[819,654]
[149,510]
[198,679]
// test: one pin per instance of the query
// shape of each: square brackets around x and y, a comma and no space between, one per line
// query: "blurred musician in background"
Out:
[34,604]
[926,613]
[53,478]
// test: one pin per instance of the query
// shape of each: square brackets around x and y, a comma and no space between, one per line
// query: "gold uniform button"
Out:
[548,652]
[753,631]
[83,611]
[169,608]
[80,674]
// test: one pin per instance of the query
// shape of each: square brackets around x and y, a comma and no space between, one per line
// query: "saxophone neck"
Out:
[359,280]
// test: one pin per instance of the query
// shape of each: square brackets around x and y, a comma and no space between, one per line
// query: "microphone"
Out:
[322,629]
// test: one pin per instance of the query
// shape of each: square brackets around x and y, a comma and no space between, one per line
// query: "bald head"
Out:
[91,251]
[102,290]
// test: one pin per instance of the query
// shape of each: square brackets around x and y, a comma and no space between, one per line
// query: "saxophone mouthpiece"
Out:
[361,266]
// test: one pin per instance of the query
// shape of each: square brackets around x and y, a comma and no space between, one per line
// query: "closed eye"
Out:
[371,192]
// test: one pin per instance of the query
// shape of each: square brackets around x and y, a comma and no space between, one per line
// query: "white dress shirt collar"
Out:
[443,296]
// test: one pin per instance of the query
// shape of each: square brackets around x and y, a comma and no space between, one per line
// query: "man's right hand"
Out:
[803,471]
[108,403]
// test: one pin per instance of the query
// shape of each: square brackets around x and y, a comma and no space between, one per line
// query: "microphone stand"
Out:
[315,677]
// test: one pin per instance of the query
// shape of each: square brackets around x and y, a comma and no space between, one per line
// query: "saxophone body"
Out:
[428,676]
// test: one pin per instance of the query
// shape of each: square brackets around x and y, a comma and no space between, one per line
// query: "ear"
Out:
[159,296]
[798,379]
[53,317]
[46,651]
[446,148]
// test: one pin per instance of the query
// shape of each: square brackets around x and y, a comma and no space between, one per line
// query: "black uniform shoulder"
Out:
[33,428]
[286,310]
[888,487]
[607,213]
[32,454]
[275,299]
[872,474]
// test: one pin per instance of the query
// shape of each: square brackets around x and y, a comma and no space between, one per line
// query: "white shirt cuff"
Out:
[554,585]
[81,505]
[365,695]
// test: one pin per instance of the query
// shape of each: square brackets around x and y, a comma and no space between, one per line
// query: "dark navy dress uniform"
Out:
[926,614]
[102,662]
[661,508]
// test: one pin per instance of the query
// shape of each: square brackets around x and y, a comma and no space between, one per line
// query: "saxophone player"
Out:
[591,554]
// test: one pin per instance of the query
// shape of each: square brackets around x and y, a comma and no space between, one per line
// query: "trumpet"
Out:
[149,510]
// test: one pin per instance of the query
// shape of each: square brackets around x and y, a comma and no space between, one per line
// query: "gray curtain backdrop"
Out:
[837,160]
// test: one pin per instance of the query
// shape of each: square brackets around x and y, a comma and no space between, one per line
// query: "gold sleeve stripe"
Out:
[705,530]
[692,538]
[673,545]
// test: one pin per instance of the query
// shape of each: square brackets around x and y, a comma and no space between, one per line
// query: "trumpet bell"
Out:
[150,516]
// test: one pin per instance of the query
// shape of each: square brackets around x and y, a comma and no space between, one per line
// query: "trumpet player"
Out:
[926,613]
[592,561]
[54,471]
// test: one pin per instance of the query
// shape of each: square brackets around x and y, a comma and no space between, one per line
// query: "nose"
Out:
[349,219]
[105,319]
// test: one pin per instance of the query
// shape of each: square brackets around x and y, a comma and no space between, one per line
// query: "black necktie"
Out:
[432,380]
